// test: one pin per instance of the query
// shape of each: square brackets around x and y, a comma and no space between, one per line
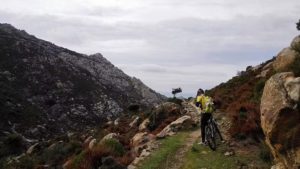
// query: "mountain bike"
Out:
[212,133]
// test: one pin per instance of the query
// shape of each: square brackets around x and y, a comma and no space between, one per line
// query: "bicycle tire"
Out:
[210,137]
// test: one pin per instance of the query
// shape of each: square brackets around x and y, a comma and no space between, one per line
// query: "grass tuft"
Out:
[168,147]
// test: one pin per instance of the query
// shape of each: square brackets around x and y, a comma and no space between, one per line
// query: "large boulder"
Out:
[162,112]
[92,144]
[32,148]
[143,126]
[139,139]
[280,118]
[167,109]
[284,59]
[184,122]
[135,122]
[296,43]
[109,136]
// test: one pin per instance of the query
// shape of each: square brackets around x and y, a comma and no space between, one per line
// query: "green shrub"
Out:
[12,144]
[59,152]
[115,146]
[258,90]
[78,159]
[26,162]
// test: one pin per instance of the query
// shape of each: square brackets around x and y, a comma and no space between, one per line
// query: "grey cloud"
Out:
[179,48]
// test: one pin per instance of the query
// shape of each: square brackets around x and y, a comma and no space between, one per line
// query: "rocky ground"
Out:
[233,152]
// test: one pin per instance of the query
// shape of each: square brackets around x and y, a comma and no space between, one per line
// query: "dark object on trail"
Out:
[175,91]
[298,25]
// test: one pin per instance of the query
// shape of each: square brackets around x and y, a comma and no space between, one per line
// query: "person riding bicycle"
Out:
[205,103]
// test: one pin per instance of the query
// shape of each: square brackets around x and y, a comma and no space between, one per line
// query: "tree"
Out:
[175,91]
[298,25]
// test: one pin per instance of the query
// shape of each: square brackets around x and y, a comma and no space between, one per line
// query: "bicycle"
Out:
[211,131]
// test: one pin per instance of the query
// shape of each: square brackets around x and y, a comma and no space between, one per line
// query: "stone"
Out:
[116,122]
[144,125]
[268,66]
[87,140]
[280,117]
[134,122]
[32,148]
[109,123]
[263,73]
[229,153]
[92,143]
[278,166]
[145,153]
[109,136]
[131,166]
[137,160]
[292,86]
[70,134]
[67,164]
[139,138]
[182,122]
[295,45]
[284,59]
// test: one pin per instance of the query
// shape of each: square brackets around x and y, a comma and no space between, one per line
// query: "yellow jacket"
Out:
[206,103]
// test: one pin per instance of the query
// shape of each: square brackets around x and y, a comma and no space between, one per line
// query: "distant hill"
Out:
[47,90]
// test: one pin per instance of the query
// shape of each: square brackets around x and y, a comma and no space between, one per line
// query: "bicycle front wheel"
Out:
[210,137]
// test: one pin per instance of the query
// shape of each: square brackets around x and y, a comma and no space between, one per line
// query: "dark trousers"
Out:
[204,119]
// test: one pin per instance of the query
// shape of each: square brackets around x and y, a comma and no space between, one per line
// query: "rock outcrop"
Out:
[42,84]
[184,122]
[287,56]
[295,45]
[280,118]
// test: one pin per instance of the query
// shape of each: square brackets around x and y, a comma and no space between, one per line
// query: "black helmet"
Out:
[200,91]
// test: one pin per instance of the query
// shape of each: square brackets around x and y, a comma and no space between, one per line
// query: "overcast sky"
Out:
[165,43]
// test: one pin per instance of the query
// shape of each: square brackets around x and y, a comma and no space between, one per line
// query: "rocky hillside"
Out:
[240,98]
[47,90]
[263,103]
[280,108]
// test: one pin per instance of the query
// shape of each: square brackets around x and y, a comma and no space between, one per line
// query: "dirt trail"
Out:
[176,162]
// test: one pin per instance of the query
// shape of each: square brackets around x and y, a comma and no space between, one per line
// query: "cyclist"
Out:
[205,103]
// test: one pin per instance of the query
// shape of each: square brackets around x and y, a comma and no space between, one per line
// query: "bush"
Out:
[59,152]
[12,145]
[91,158]
[115,146]
[78,160]
[258,90]
[26,162]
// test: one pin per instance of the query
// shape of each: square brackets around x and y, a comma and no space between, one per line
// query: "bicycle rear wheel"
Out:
[210,137]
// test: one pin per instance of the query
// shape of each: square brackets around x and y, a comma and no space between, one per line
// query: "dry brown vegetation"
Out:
[240,99]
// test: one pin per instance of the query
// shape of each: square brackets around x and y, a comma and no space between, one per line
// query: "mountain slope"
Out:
[240,97]
[46,89]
